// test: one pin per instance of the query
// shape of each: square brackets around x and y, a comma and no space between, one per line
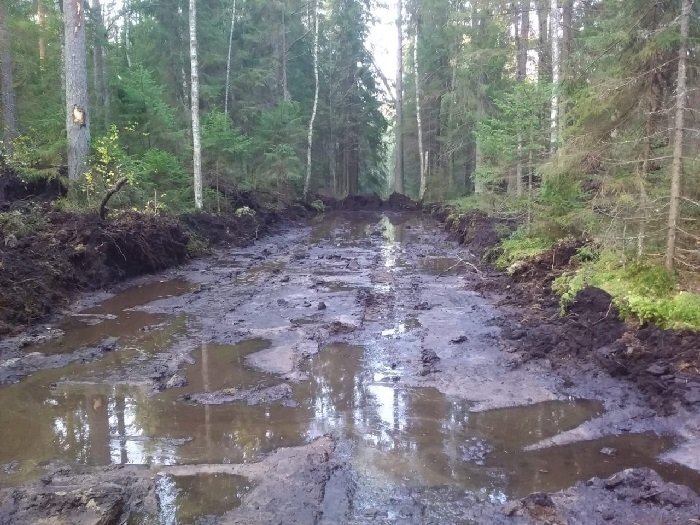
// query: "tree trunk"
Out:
[41,22]
[98,55]
[521,73]
[9,108]
[399,174]
[77,114]
[554,109]
[228,59]
[419,125]
[677,166]
[307,181]
[127,37]
[564,54]
[283,51]
[194,104]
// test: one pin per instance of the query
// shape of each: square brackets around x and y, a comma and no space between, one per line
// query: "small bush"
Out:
[520,246]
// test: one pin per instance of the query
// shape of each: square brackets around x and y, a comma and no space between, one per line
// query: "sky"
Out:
[383,38]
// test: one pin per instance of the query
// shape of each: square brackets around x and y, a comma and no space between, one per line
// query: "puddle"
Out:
[416,437]
[112,318]
[185,500]
[410,323]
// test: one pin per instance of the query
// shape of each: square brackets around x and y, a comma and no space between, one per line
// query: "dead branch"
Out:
[114,189]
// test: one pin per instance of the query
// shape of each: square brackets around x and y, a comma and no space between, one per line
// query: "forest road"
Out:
[344,371]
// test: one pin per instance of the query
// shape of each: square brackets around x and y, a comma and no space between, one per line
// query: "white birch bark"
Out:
[416,76]
[399,174]
[228,59]
[307,181]
[677,165]
[194,104]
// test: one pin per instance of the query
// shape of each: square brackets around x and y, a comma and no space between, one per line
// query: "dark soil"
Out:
[14,188]
[665,364]
[47,255]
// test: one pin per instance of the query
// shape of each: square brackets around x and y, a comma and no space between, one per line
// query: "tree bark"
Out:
[677,165]
[9,107]
[399,173]
[419,124]
[41,22]
[564,54]
[228,59]
[307,181]
[77,113]
[194,104]
[554,109]
[98,55]
[521,75]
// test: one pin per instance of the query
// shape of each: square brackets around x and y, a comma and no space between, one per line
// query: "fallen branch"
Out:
[461,261]
[114,189]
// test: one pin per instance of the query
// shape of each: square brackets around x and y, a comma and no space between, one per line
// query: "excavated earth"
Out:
[358,369]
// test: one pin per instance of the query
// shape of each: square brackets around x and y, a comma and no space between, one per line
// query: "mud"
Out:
[343,372]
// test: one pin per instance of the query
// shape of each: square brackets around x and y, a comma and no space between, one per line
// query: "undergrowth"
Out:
[520,246]
[642,291]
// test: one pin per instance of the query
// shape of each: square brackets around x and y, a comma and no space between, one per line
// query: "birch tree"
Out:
[194,104]
[9,108]
[678,134]
[419,124]
[398,127]
[228,59]
[307,180]
[77,114]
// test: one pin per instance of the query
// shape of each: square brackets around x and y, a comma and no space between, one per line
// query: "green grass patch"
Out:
[519,247]
[644,292]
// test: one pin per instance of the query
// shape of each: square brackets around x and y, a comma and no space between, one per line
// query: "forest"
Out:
[575,119]
[350,261]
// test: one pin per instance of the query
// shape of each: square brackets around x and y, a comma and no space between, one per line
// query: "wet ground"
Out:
[341,372]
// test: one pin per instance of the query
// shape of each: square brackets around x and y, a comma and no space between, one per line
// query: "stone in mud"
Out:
[475,451]
[429,357]
[176,381]
[340,327]
[322,305]
[657,369]
[459,340]
[511,508]
[423,306]
[608,451]
[285,279]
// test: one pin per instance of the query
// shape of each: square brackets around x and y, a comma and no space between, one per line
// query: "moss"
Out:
[519,247]
[644,292]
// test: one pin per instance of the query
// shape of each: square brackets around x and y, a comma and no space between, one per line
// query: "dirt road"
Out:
[342,372]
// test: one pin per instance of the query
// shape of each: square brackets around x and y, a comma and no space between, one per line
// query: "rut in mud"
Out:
[345,372]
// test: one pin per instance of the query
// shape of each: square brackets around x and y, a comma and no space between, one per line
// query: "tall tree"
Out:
[194,103]
[555,40]
[310,141]
[77,113]
[398,126]
[419,123]
[678,134]
[9,107]
[228,57]
[521,74]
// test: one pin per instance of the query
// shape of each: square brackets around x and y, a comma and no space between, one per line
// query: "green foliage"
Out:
[643,291]
[20,224]
[519,247]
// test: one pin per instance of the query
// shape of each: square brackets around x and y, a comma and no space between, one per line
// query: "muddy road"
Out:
[339,372]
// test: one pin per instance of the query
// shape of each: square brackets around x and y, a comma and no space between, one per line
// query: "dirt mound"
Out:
[549,264]
[369,202]
[68,252]
[240,229]
[14,188]
[477,230]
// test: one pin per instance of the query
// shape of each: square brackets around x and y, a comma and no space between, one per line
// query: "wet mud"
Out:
[342,372]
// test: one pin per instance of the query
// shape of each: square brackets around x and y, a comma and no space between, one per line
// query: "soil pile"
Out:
[14,188]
